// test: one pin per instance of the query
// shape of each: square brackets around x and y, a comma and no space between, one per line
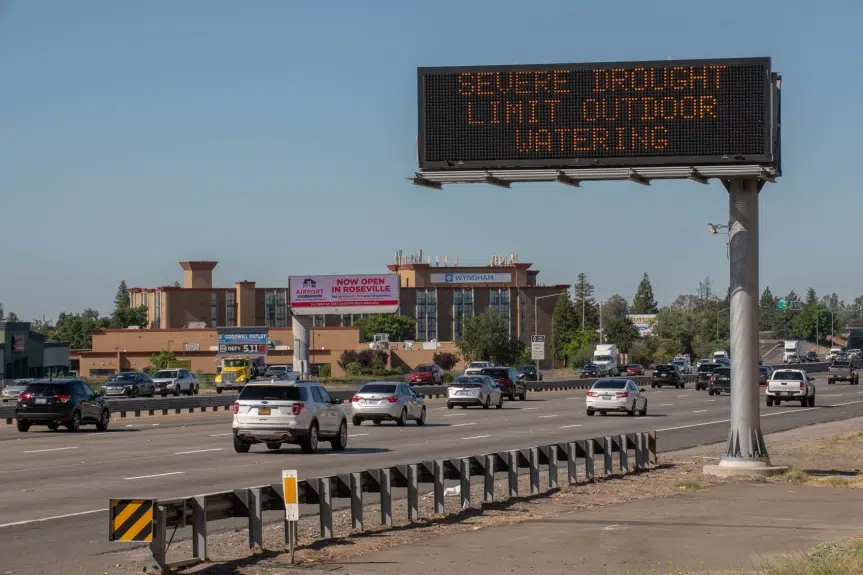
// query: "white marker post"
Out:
[292,507]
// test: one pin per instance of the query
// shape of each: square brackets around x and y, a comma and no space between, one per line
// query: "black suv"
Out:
[529,373]
[508,380]
[702,377]
[67,402]
[667,374]
[720,381]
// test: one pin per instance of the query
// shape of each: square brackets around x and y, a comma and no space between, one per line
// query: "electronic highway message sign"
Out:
[661,113]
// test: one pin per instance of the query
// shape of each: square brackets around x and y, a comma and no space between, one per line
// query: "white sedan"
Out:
[616,395]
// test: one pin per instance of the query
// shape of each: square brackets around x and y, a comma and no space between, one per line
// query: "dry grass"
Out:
[829,558]
[794,475]
[690,485]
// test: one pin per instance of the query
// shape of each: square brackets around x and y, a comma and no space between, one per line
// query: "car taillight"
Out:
[355,399]
[712,378]
[25,396]
[801,385]
[592,394]
[622,394]
[392,399]
[236,407]
[297,408]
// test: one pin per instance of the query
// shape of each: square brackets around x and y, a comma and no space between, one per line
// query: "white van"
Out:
[722,355]
[683,362]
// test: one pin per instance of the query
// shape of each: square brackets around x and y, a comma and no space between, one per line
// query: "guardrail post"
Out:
[571,463]
[256,519]
[624,454]
[199,528]
[158,545]
[651,447]
[326,507]
[464,482]
[386,496]
[552,466]
[590,460]
[438,486]
[413,493]
[357,501]
[534,471]
[488,479]
[512,472]
[607,452]
[639,453]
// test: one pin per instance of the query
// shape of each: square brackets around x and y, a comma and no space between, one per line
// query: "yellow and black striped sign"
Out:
[131,520]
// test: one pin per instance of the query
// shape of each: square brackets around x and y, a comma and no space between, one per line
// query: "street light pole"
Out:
[536,322]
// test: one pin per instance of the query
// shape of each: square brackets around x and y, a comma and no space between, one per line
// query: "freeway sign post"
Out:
[537,347]
[290,494]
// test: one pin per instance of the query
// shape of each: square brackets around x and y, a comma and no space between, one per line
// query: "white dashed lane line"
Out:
[475,437]
[51,449]
[198,451]
[154,475]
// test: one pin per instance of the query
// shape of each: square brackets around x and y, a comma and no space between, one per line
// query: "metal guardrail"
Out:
[198,510]
[124,408]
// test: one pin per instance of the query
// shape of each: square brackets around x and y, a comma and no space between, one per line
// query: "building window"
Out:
[319,320]
[426,314]
[499,302]
[522,314]
[282,308]
[350,319]
[462,308]
[315,369]
[231,309]
[102,372]
[214,309]
[270,308]
[157,310]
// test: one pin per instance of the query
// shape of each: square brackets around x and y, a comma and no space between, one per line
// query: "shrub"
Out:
[354,368]
[448,377]
[379,367]
[326,371]
[348,357]
[445,360]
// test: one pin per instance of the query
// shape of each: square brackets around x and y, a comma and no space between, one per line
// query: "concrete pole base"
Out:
[733,467]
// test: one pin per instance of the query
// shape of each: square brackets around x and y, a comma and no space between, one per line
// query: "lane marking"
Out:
[665,404]
[220,434]
[547,416]
[528,408]
[154,475]
[568,426]
[454,414]
[798,410]
[699,411]
[684,395]
[475,437]
[843,404]
[198,451]
[52,518]
[463,424]
[52,449]
[357,434]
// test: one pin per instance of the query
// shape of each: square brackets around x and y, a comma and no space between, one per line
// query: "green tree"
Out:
[125,316]
[677,326]
[44,327]
[580,341]
[565,325]
[621,332]
[487,337]
[811,297]
[122,299]
[584,304]
[616,306]
[643,301]
[399,327]
[12,317]
[769,311]
[75,328]
[160,360]
[811,320]
[2,315]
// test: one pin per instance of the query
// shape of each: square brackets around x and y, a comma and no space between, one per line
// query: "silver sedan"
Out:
[11,391]
[386,401]
[479,390]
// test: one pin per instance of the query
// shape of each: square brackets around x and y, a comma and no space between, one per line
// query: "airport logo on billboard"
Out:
[377,293]
[471,278]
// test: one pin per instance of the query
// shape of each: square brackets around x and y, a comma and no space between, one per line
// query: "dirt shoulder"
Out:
[819,455]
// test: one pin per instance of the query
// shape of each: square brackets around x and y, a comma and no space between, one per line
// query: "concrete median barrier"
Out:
[577,460]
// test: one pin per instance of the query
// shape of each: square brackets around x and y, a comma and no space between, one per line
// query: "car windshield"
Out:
[527,369]
[707,367]
[277,368]
[271,393]
[423,369]
[664,368]
[634,366]
[165,374]
[236,363]
[47,388]
[476,364]
[589,366]
[378,388]
[610,384]
[841,363]
[495,372]
[602,358]
[469,379]
[764,369]
[788,375]
[124,377]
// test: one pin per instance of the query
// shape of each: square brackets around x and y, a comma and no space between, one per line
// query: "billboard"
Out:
[644,322]
[243,341]
[471,278]
[659,113]
[335,294]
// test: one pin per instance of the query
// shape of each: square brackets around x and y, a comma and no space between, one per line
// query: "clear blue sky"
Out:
[137,134]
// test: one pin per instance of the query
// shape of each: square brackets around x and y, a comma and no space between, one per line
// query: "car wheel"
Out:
[357,421]
[683,385]
[104,419]
[631,412]
[177,391]
[590,412]
[23,426]
[309,443]
[811,401]
[487,403]
[711,392]
[499,402]
[804,402]
[422,417]
[218,390]
[511,397]
[464,407]
[653,386]
[677,386]
[403,418]
[769,401]
[376,421]
[274,445]
[602,413]
[134,392]
[524,395]
[341,440]
[53,427]
[449,406]
[241,446]
[164,394]
[643,410]
[75,424]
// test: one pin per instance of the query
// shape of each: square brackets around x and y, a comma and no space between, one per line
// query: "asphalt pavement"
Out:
[54,486]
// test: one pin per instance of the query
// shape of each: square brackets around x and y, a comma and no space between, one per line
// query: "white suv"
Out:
[277,412]
[475,367]
[790,385]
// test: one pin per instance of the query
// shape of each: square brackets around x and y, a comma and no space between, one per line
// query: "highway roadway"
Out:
[54,486]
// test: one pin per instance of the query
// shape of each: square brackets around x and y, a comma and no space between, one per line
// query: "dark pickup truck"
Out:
[720,381]
[702,377]
[667,374]
[843,370]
